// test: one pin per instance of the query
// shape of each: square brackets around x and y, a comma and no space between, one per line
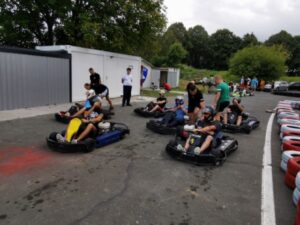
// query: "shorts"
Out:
[191,108]
[221,106]
[104,94]
[92,134]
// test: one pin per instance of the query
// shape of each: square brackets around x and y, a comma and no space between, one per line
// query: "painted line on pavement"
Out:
[267,192]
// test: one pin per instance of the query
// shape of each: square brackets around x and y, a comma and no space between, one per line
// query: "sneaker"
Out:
[197,151]
[129,105]
[60,138]
[180,148]
[74,141]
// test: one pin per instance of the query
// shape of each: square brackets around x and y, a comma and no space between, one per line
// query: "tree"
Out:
[176,32]
[198,47]
[261,61]
[130,27]
[176,54]
[223,44]
[249,40]
[287,40]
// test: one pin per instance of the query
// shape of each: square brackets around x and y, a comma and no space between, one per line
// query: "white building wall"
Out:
[111,67]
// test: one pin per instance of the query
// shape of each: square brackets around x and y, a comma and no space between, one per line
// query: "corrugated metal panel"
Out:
[31,80]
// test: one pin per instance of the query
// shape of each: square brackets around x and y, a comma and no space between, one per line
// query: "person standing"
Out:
[196,102]
[127,87]
[254,84]
[95,78]
[222,97]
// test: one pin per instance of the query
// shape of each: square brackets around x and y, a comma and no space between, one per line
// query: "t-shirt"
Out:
[224,89]
[100,88]
[127,80]
[235,109]
[205,123]
[95,79]
[194,100]
[159,99]
[179,114]
[254,83]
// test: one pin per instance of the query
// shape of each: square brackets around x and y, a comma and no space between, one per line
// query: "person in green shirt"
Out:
[222,97]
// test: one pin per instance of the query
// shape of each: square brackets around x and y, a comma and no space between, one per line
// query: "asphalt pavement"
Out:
[135,181]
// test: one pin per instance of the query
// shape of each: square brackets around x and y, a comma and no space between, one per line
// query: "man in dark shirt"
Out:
[235,108]
[95,78]
[160,103]
[208,128]
[196,102]
[103,92]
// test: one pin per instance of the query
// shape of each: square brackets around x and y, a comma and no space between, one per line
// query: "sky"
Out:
[261,17]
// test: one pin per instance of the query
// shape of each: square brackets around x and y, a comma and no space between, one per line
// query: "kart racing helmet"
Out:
[209,110]
[179,100]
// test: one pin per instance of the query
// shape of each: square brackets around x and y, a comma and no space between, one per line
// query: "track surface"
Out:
[134,181]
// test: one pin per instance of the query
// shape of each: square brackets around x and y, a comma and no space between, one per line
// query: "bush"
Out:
[259,61]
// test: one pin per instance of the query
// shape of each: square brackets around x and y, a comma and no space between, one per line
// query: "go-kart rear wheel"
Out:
[89,145]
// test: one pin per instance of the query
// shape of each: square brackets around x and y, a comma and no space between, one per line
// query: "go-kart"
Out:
[158,126]
[216,154]
[144,112]
[64,116]
[113,132]
[248,124]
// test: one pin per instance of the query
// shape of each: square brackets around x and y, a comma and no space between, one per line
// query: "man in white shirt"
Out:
[127,86]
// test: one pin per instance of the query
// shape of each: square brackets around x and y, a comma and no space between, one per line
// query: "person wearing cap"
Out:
[222,96]
[236,108]
[94,78]
[210,130]
[196,102]
[160,103]
[127,87]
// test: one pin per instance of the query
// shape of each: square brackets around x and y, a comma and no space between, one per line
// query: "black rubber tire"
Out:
[52,136]
[90,145]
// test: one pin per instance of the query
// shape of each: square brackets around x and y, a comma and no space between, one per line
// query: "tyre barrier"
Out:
[293,166]
[285,156]
[290,138]
[296,192]
[291,145]
[289,180]
[283,121]
[289,133]
[288,115]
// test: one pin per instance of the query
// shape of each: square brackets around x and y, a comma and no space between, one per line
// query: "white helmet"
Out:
[104,125]
[179,97]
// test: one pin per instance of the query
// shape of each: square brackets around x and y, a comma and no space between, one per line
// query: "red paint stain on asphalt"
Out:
[18,159]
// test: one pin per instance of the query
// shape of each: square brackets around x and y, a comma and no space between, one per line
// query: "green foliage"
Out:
[176,54]
[290,79]
[131,27]
[290,44]
[223,44]
[191,73]
[198,47]
[249,40]
[263,62]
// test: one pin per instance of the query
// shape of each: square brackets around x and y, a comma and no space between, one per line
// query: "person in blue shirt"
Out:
[175,116]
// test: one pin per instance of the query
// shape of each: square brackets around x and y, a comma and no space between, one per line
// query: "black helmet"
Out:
[209,110]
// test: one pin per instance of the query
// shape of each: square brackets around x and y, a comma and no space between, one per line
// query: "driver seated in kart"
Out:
[209,130]
[159,105]
[235,108]
[175,115]
[88,128]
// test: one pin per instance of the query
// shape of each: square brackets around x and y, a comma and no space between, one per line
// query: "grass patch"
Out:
[191,73]
[290,79]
